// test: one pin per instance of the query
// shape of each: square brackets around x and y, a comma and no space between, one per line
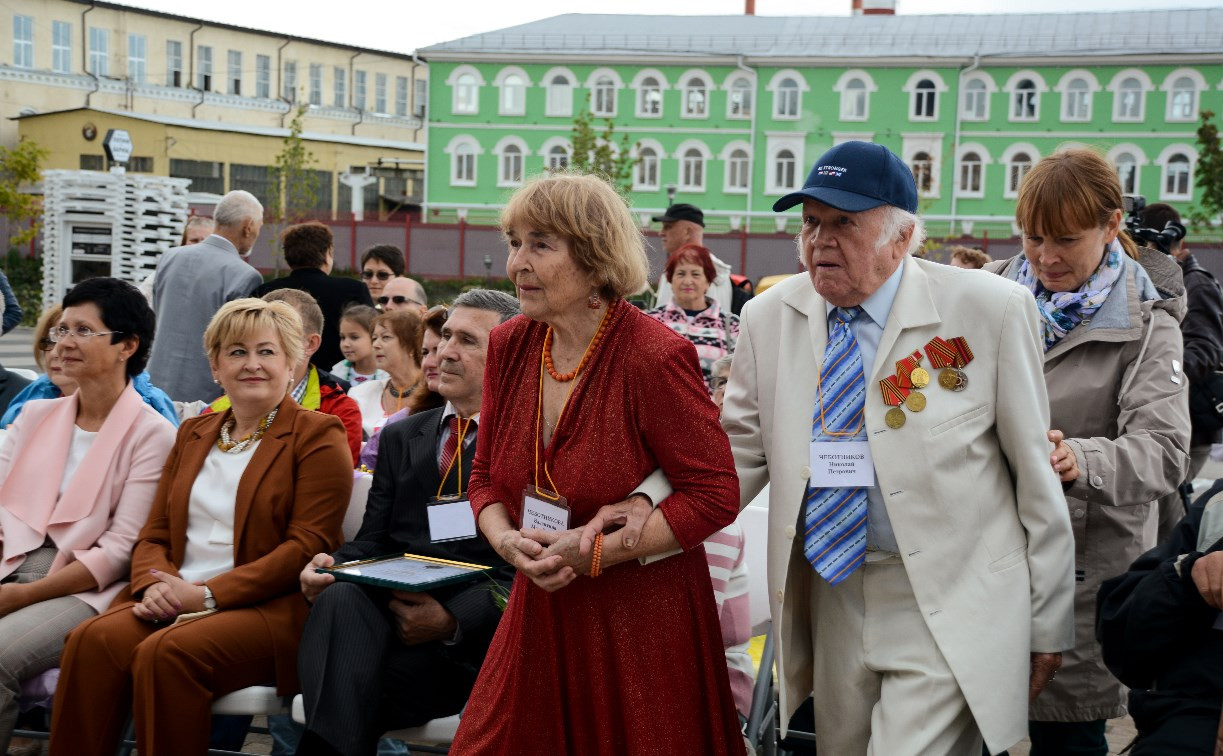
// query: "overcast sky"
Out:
[405,26]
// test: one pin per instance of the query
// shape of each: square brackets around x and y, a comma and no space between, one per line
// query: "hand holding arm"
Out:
[523,554]
[1065,464]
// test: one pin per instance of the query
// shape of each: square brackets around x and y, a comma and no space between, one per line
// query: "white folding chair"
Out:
[434,736]
[361,483]
[761,728]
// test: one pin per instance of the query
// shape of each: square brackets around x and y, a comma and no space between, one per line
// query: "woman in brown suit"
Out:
[247,497]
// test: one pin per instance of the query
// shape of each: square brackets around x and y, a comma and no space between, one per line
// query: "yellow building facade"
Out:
[208,101]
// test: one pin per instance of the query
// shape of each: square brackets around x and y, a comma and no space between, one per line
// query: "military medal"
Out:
[949,378]
[951,355]
[920,378]
[916,402]
[894,394]
[895,418]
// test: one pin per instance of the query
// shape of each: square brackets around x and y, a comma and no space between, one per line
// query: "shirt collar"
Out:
[450,410]
[879,305]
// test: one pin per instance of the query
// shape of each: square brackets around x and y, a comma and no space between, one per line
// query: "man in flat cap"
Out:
[685,224]
[921,562]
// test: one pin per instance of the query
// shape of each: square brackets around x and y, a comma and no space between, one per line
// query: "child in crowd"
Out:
[357,346]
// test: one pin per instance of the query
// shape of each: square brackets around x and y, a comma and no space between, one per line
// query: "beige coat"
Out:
[975,506]
[1117,390]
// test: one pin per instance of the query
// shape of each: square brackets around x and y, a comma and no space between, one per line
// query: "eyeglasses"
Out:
[399,299]
[45,344]
[381,275]
[56,335]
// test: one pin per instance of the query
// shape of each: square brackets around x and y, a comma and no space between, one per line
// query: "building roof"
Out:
[238,128]
[1163,32]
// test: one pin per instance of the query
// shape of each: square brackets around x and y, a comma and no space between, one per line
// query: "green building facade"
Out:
[729,113]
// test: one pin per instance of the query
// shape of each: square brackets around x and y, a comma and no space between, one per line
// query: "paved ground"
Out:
[17,349]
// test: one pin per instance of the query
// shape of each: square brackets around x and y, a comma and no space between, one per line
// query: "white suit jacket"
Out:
[978,513]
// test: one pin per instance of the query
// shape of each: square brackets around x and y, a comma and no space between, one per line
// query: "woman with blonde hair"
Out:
[583,398]
[1110,315]
[248,496]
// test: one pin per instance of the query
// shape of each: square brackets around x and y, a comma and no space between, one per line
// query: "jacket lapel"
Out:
[811,306]
[31,489]
[195,450]
[271,446]
[422,450]
[913,307]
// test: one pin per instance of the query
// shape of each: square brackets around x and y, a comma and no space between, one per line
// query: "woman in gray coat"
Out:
[1110,316]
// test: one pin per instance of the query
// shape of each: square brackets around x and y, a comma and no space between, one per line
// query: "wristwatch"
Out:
[209,602]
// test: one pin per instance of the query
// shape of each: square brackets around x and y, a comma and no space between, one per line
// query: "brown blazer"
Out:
[290,504]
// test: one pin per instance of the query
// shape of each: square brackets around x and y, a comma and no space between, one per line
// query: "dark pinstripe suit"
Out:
[358,679]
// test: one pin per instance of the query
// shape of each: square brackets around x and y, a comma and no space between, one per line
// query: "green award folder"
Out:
[406,572]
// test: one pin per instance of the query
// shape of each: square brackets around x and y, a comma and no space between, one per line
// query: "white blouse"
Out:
[81,441]
[368,397]
[210,515]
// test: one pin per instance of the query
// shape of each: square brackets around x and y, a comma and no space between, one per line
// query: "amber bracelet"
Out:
[596,556]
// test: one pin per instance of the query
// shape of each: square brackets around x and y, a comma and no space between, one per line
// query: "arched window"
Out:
[971,174]
[558,158]
[1076,101]
[740,105]
[466,94]
[649,101]
[737,167]
[560,96]
[1127,172]
[925,100]
[976,100]
[1129,102]
[692,170]
[696,98]
[923,171]
[513,95]
[647,168]
[511,165]
[1177,171]
[1183,100]
[785,99]
[604,96]
[785,169]
[1023,101]
[1020,164]
[853,101]
[463,165]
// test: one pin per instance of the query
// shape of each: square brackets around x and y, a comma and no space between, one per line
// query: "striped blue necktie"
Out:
[834,519]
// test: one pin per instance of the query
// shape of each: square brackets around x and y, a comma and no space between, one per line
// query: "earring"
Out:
[594,302]
[214,380]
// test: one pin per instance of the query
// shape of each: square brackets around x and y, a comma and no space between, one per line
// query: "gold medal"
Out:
[920,378]
[948,378]
[916,402]
[895,418]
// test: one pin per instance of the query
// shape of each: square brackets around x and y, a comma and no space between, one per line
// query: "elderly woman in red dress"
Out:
[583,397]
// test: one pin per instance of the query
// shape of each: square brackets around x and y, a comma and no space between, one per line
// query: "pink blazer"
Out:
[107,501]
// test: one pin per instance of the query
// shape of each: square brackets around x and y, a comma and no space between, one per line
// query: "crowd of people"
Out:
[961,464]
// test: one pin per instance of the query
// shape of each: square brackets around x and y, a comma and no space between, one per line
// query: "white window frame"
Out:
[1007,160]
[1199,85]
[1144,86]
[548,152]
[1128,149]
[932,145]
[558,104]
[453,150]
[736,160]
[137,58]
[233,79]
[776,143]
[315,96]
[402,96]
[983,160]
[1012,92]
[99,51]
[381,82]
[781,98]
[511,147]
[842,87]
[685,162]
[638,85]
[263,76]
[288,88]
[360,90]
[1091,86]
[61,47]
[1165,160]
[917,96]
[731,87]
[23,41]
[641,169]
[598,107]
[512,84]
[987,92]
[465,96]
[339,82]
[174,63]
[203,78]
[690,82]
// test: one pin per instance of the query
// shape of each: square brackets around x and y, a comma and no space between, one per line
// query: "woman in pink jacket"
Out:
[77,476]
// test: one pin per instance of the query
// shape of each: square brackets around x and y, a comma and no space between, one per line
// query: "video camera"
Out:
[1161,239]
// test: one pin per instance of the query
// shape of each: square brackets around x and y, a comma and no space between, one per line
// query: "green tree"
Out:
[295,185]
[20,166]
[593,152]
[1209,172]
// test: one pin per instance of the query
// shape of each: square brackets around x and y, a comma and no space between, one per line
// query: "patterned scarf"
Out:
[1061,311]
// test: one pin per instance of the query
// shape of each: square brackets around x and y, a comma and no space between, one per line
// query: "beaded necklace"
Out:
[590,348]
[229,446]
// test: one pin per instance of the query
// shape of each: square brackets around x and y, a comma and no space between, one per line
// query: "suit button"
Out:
[1097,481]
[780,594]
[1078,513]
[805,472]
[789,531]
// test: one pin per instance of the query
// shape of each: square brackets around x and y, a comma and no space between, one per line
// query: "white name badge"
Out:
[451,521]
[841,464]
[540,514]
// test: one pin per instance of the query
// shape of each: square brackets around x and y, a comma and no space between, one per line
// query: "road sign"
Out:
[118,145]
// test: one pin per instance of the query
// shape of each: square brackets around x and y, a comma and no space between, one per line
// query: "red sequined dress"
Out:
[631,662]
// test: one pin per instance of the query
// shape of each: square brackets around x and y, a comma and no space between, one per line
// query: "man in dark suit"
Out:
[308,250]
[372,659]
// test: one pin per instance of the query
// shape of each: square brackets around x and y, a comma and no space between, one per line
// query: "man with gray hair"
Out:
[191,285]
[921,561]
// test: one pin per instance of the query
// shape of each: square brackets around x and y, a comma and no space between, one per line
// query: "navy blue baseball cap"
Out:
[857,176]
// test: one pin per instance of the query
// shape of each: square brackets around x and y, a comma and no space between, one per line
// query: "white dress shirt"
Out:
[210,515]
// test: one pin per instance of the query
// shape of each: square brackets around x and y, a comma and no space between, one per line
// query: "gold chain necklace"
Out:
[229,446]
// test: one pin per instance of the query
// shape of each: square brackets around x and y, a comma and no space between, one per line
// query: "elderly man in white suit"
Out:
[921,562]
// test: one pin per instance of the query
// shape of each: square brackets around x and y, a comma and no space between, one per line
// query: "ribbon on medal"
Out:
[951,355]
